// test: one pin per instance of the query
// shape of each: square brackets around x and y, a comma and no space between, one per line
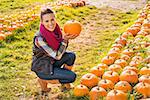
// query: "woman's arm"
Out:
[39,42]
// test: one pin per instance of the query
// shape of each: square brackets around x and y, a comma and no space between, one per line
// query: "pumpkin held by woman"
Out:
[72,27]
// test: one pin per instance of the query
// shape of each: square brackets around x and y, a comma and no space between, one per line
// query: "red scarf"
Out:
[52,38]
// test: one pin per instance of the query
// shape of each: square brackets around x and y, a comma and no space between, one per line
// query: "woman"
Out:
[51,62]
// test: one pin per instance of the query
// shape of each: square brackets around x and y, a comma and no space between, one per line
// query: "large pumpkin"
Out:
[81,90]
[98,71]
[143,88]
[106,84]
[116,95]
[90,80]
[72,27]
[110,75]
[97,92]
[129,76]
[123,86]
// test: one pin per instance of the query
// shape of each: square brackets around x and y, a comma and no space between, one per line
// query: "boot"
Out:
[43,84]
[53,81]
[66,87]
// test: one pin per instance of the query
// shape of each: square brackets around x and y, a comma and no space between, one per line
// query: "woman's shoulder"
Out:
[38,33]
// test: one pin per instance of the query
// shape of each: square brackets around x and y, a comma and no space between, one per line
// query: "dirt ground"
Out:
[124,5]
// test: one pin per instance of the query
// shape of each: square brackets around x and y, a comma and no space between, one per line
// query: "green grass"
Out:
[16,78]
[7,6]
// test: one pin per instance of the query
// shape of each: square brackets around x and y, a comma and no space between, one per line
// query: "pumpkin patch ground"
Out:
[114,44]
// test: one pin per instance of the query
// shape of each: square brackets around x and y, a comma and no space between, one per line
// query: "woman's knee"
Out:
[72,78]
[71,58]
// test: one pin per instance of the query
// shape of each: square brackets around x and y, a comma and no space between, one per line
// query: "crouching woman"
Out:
[51,62]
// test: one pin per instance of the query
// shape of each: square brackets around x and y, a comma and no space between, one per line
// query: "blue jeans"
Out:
[63,75]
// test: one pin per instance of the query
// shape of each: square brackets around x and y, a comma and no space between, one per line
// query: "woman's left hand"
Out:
[70,36]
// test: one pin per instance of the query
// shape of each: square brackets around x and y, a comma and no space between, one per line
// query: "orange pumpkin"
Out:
[117,45]
[143,88]
[146,23]
[106,84]
[134,63]
[98,71]
[133,30]
[137,58]
[121,62]
[72,27]
[115,49]
[145,79]
[121,41]
[126,35]
[90,80]
[128,52]
[110,75]
[2,36]
[145,70]
[116,95]
[81,90]
[97,92]
[129,76]
[108,60]
[125,57]
[113,54]
[131,68]
[115,68]
[123,86]
[102,65]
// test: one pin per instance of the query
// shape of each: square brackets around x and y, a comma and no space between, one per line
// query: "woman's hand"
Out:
[70,36]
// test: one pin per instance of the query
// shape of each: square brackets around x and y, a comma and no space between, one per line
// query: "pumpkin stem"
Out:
[105,81]
[115,91]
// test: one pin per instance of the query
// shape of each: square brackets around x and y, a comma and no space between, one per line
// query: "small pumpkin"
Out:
[133,30]
[81,90]
[128,52]
[97,92]
[106,84]
[145,70]
[131,68]
[145,79]
[108,60]
[125,57]
[129,76]
[143,88]
[121,41]
[110,75]
[98,71]
[102,65]
[115,68]
[2,36]
[126,35]
[123,86]
[90,80]
[116,95]
[72,27]
[134,63]
[117,45]
[113,54]
[121,62]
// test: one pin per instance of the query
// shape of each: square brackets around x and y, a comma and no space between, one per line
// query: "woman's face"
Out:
[49,22]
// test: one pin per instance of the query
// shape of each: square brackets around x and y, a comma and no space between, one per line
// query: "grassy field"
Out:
[100,28]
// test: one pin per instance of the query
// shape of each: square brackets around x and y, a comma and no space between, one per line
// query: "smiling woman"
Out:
[50,53]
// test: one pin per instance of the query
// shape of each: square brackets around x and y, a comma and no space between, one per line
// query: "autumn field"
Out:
[118,39]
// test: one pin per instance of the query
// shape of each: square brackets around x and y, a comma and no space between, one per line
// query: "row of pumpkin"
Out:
[126,68]
[20,19]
